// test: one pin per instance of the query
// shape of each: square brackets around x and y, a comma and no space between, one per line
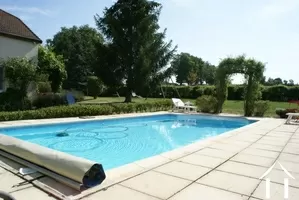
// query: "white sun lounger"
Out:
[290,117]
[180,105]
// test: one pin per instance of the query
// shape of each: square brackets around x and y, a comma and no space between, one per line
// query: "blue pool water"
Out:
[117,142]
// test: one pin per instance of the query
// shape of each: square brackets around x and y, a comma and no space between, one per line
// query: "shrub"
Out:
[44,87]
[13,100]
[19,73]
[49,99]
[206,104]
[260,108]
[94,86]
[86,110]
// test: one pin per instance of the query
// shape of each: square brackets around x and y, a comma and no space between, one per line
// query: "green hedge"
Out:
[235,92]
[86,110]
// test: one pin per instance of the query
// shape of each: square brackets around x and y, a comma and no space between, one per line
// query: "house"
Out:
[16,40]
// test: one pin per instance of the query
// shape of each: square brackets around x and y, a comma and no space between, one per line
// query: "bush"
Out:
[19,72]
[13,100]
[260,108]
[44,87]
[206,104]
[49,100]
[94,86]
[86,110]
[282,112]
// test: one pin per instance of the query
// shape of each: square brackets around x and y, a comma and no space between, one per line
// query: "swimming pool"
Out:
[116,142]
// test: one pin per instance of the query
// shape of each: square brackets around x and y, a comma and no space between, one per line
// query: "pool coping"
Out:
[119,174]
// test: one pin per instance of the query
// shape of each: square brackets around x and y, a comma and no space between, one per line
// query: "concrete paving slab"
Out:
[289,157]
[217,153]
[156,184]
[242,169]
[227,147]
[205,161]
[197,191]
[230,182]
[118,192]
[290,166]
[183,170]
[260,152]
[278,176]
[267,147]
[31,193]
[253,160]
[276,192]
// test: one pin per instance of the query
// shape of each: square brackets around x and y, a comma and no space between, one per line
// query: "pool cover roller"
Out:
[86,172]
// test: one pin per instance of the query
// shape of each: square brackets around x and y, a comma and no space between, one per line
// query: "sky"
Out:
[267,30]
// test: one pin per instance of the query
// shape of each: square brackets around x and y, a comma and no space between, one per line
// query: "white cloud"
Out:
[278,8]
[29,10]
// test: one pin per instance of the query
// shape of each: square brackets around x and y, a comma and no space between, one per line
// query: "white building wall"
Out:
[10,47]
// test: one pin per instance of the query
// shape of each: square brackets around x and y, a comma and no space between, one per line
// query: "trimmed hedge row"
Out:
[86,110]
[235,92]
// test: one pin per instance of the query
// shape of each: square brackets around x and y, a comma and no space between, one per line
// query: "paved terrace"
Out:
[226,167]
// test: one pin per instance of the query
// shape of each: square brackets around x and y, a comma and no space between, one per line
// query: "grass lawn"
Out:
[235,107]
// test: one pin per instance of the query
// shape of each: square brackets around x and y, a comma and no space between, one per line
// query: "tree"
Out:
[19,72]
[131,28]
[186,66]
[78,47]
[94,86]
[285,82]
[291,82]
[209,73]
[53,66]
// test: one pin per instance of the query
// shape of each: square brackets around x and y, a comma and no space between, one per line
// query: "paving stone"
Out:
[197,191]
[254,160]
[267,147]
[247,138]
[260,152]
[286,128]
[294,140]
[227,147]
[289,157]
[230,182]
[202,160]
[234,142]
[183,170]
[272,142]
[118,192]
[291,148]
[290,166]
[285,138]
[10,182]
[276,192]
[243,169]
[278,176]
[156,184]
[218,153]
[31,193]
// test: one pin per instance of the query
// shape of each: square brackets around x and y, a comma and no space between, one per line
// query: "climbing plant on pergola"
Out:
[253,72]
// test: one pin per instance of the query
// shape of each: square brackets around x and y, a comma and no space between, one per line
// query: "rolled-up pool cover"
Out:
[86,172]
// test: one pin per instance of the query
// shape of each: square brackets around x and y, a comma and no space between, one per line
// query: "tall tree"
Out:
[131,28]
[209,73]
[78,46]
[51,65]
